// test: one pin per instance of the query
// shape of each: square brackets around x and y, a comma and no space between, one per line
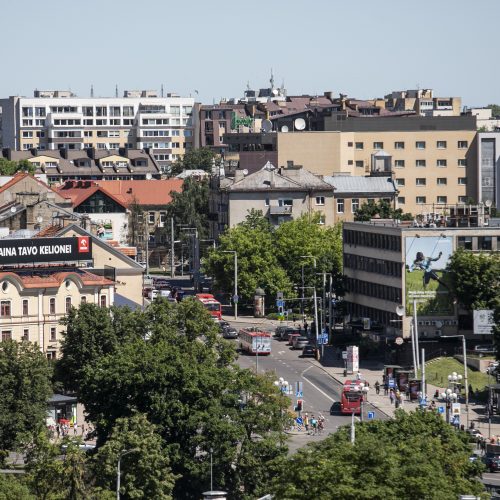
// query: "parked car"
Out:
[485,349]
[291,336]
[309,351]
[492,462]
[279,331]
[230,333]
[289,330]
[223,325]
[474,433]
[335,408]
[299,342]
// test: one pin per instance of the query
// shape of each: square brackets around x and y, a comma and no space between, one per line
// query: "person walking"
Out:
[392,396]
[306,423]
[377,387]
[386,388]
[314,425]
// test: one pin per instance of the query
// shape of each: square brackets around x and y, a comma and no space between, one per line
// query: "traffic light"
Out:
[300,404]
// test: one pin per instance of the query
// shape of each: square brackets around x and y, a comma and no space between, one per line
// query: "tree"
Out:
[145,471]
[12,487]
[9,167]
[383,209]
[137,223]
[495,110]
[195,159]
[190,207]
[258,264]
[176,370]
[389,459]
[24,391]
[468,273]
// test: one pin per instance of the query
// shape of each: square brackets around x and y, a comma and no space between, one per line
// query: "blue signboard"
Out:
[440,409]
[299,420]
[370,415]
[392,382]
[280,303]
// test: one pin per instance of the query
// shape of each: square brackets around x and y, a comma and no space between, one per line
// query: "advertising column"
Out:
[352,359]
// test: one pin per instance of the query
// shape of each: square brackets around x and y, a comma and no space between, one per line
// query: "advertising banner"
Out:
[483,322]
[426,280]
[352,359]
[37,250]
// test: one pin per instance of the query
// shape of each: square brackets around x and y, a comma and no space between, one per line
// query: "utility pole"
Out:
[415,332]
[172,241]
[353,429]
[331,320]
[424,392]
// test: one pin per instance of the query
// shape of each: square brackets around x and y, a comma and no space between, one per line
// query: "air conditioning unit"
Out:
[439,333]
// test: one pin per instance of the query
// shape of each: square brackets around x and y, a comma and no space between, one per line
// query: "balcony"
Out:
[286,210]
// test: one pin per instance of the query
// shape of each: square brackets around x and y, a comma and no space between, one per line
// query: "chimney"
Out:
[64,153]
[91,153]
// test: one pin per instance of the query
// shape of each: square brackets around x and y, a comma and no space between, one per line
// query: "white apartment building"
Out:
[54,119]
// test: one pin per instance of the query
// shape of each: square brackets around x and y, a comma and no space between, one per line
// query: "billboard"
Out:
[426,280]
[352,359]
[483,322]
[36,250]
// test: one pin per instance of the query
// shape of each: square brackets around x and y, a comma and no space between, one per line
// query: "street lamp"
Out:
[283,385]
[118,471]
[314,296]
[235,296]
[449,396]
[455,380]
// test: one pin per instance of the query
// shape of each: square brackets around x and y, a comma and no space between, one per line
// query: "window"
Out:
[25,307]
[128,111]
[401,200]
[465,242]
[399,163]
[359,163]
[399,145]
[103,301]
[442,181]
[340,206]
[350,162]
[52,306]
[40,112]
[26,335]
[151,217]
[421,181]
[420,163]
[378,145]
[462,181]
[266,202]
[354,205]
[68,305]
[5,309]
[420,144]
[463,199]
[114,111]
[27,111]
[420,199]
[400,182]
[350,144]
[484,242]
[462,162]
[27,134]
[53,334]
[87,133]
[88,122]
[441,144]
[83,300]
[441,163]
[359,145]
[320,200]
[321,220]
[442,199]
[6,335]
[285,203]
[463,144]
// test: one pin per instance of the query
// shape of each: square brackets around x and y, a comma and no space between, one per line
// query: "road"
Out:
[320,390]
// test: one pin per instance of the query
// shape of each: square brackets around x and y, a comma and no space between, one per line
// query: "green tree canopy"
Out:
[495,110]
[10,167]
[13,487]
[383,209]
[174,368]
[145,471]
[24,391]
[194,159]
[469,272]
[413,456]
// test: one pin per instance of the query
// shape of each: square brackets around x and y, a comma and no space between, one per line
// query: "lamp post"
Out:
[466,381]
[118,470]
[211,470]
[196,255]
[235,296]
[449,396]
[283,385]
[314,296]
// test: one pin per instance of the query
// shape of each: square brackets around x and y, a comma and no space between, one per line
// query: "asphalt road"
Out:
[320,390]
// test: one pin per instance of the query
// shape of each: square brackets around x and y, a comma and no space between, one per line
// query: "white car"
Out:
[492,368]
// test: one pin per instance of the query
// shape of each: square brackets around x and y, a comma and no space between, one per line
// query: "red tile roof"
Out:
[19,176]
[55,279]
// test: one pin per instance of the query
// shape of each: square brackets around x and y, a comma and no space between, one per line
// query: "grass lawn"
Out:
[437,371]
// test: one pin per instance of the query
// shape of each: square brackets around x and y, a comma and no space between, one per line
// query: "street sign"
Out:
[391,382]
[235,299]
[323,339]
[440,409]
[344,354]
[299,391]
[299,420]
[279,296]
[280,303]
[370,415]
[399,340]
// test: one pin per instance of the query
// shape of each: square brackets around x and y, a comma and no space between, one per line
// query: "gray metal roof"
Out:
[358,184]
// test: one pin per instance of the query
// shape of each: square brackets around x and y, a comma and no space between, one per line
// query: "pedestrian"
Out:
[377,387]
[314,425]
[306,423]
[407,392]
[83,429]
[386,388]
[358,376]
[392,396]
[75,429]
[305,327]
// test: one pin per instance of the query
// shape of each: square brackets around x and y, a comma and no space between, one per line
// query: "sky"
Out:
[362,48]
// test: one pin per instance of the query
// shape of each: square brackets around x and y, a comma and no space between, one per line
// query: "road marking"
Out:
[304,371]
[317,388]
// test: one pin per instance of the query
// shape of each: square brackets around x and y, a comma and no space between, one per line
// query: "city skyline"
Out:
[212,50]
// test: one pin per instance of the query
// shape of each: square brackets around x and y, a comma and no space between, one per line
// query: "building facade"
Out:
[54,120]
[388,266]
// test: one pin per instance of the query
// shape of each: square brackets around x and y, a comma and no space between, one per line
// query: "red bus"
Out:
[212,305]
[352,396]
[254,341]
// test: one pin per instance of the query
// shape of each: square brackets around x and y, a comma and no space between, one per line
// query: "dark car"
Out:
[291,331]
[230,333]
[335,408]
[309,351]
[223,325]
[279,331]
[492,462]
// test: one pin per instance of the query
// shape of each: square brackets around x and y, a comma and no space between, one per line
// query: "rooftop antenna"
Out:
[248,85]
[116,90]
[271,81]
[91,90]
[161,91]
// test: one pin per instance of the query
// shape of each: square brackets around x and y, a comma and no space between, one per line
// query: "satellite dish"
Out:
[39,219]
[149,176]
[488,203]
[267,126]
[275,91]
[439,324]
[400,311]
[245,171]
[13,210]
[284,128]
[300,124]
